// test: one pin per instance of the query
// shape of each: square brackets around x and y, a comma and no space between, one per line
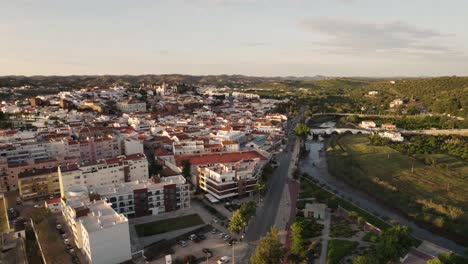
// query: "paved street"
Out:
[267,212]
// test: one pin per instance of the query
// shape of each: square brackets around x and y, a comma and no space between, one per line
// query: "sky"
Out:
[250,37]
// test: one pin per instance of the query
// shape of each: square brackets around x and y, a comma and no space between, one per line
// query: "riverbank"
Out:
[315,165]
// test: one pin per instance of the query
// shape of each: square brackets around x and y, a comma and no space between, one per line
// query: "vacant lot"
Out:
[168,225]
[431,194]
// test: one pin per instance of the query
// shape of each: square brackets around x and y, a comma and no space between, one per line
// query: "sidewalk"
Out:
[287,205]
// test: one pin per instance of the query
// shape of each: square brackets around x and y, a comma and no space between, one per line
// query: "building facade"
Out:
[131,106]
[141,198]
[38,183]
[99,232]
[104,172]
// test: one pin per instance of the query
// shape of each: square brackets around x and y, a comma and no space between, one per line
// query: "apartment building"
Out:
[223,182]
[99,232]
[147,197]
[131,106]
[188,147]
[93,149]
[227,133]
[132,146]
[9,172]
[104,172]
[38,183]
[22,152]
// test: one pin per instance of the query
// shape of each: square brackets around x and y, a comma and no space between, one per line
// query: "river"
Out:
[316,166]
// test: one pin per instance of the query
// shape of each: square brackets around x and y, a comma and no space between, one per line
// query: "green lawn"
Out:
[338,249]
[168,225]
[433,194]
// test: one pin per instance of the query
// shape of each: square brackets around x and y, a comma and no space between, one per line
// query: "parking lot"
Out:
[218,246]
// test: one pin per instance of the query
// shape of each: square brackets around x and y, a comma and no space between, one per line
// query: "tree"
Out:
[186,169]
[297,241]
[394,243]
[302,131]
[241,217]
[269,250]
[237,223]
[365,260]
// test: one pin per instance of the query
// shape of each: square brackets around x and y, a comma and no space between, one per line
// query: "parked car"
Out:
[68,246]
[36,206]
[232,241]
[183,243]
[66,241]
[58,226]
[226,237]
[18,201]
[61,231]
[221,235]
[64,236]
[192,237]
[201,236]
[214,231]
[71,251]
[224,259]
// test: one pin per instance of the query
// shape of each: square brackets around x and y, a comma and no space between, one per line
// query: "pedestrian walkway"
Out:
[325,238]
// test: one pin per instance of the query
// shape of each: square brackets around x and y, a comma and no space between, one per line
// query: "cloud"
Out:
[352,36]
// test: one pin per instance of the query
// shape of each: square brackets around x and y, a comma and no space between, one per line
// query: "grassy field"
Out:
[168,225]
[338,249]
[431,194]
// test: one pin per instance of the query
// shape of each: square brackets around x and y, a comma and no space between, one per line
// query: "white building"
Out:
[221,181]
[131,106]
[188,147]
[141,198]
[367,124]
[393,136]
[165,89]
[396,103]
[99,232]
[227,133]
[105,172]
[230,146]
[132,146]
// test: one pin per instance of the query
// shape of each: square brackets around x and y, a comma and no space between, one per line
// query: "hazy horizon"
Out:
[264,38]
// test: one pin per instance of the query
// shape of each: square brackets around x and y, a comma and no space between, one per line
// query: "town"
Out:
[104,161]
[233,132]
[178,173]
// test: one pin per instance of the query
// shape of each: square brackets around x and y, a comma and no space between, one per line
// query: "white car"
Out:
[183,243]
[224,259]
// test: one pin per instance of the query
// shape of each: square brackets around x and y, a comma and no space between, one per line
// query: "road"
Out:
[316,166]
[266,213]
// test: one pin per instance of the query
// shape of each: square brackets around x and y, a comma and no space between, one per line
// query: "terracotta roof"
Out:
[223,157]
[54,200]
[161,152]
